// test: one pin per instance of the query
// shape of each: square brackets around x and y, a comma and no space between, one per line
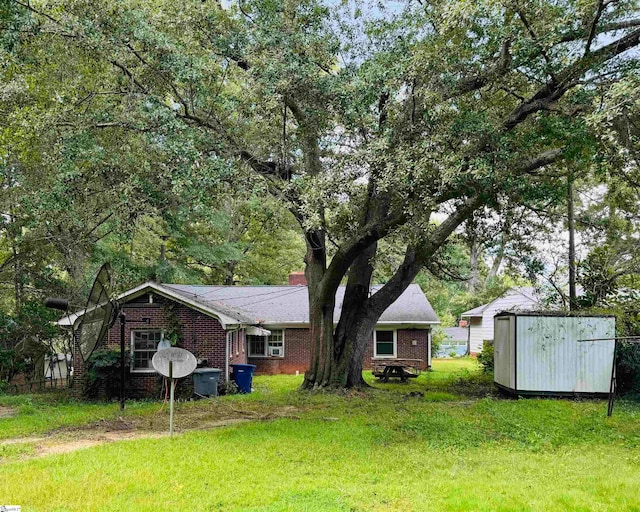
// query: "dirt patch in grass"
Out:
[7,412]
[72,438]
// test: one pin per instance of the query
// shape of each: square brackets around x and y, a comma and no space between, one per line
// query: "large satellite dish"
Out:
[99,314]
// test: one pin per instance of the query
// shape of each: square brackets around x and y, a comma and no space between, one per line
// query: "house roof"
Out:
[271,305]
[290,304]
[226,315]
[528,292]
[475,311]
[457,333]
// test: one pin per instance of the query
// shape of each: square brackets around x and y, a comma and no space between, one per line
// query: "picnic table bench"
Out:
[403,369]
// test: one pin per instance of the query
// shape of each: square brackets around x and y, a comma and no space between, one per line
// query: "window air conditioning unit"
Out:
[275,351]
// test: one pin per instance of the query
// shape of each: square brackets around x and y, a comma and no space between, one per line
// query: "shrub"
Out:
[437,339]
[628,367]
[474,384]
[485,358]
[103,374]
[227,388]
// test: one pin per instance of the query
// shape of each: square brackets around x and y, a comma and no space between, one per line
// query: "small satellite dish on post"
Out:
[174,363]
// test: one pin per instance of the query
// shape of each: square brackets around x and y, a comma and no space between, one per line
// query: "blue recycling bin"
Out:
[243,375]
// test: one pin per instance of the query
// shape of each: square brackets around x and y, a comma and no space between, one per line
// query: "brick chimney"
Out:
[297,279]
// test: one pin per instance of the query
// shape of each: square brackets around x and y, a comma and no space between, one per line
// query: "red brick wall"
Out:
[405,348]
[206,339]
[296,355]
[297,278]
[297,351]
[200,334]
[238,352]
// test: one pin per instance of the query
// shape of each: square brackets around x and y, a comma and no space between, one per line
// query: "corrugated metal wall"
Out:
[503,351]
[550,359]
[594,357]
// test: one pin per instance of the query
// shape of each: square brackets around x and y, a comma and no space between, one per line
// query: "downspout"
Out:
[226,357]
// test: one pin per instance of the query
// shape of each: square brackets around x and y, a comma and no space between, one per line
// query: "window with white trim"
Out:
[144,344]
[267,346]
[385,343]
[232,337]
[234,340]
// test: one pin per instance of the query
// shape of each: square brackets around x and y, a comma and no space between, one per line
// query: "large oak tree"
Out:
[366,124]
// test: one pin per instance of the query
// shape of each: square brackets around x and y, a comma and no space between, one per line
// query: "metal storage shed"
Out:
[539,353]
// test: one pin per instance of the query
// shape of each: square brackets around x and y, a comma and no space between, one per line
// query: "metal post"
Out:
[173,387]
[122,368]
[612,385]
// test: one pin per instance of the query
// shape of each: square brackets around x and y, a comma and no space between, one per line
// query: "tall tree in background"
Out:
[79,188]
[363,127]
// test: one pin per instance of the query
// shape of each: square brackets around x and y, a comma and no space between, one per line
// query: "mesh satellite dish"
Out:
[100,313]
[174,363]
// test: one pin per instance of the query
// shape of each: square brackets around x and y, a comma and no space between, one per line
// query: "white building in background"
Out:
[57,366]
[481,318]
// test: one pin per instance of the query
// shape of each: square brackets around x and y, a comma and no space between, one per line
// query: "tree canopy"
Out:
[366,124]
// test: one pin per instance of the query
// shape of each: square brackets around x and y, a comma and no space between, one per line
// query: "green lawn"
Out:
[438,443]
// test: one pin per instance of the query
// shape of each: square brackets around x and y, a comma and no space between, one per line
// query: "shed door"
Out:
[502,358]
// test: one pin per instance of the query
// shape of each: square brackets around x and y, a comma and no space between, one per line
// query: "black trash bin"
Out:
[205,381]
[243,375]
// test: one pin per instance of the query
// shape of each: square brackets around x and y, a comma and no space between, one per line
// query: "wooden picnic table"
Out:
[403,369]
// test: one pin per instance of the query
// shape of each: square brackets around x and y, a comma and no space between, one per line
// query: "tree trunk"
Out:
[336,359]
[230,271]
[497,261]
[572,244]
[321,306]
[355,327]
[474,278]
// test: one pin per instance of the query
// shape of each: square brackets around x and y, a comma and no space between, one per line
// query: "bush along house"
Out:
[267,326]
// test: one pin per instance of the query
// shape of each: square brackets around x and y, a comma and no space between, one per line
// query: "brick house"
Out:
[262,325]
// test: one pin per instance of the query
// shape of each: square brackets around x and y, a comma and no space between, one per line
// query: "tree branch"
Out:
[418,256]
[473,83]
[594,24]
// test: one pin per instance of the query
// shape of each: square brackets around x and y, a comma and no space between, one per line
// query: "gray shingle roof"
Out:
[529,292]
[457,333]
[475,311]
[290,304]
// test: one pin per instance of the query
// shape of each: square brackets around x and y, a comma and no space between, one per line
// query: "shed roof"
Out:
[555,313]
